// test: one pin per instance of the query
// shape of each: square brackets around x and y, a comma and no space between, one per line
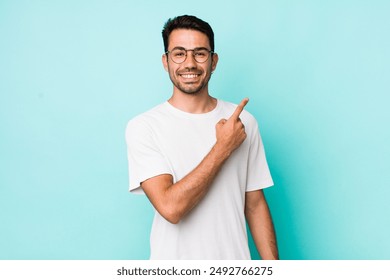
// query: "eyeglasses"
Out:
[179,55]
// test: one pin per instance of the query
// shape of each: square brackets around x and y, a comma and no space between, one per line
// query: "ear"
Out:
[164,59]
[214,62]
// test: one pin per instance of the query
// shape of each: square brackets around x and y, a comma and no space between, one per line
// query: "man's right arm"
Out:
[174,200]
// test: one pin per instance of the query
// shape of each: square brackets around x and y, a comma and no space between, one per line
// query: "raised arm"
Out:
[174,200]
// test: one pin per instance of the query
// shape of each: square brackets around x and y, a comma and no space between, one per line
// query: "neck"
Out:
[197,103]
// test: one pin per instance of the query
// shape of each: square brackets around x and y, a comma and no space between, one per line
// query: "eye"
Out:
[201,53]
[178,53]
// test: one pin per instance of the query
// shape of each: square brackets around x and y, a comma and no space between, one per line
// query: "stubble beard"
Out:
[190,89]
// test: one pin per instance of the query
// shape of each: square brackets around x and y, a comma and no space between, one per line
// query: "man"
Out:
[200,160]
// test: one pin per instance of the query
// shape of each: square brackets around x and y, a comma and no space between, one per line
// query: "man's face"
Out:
[190,76]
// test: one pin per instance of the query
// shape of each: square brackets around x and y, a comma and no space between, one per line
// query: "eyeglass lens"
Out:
[180,55]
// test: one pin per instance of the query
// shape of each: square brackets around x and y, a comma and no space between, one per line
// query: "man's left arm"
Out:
[260,224]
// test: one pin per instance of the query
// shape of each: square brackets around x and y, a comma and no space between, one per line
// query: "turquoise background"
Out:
[72,73]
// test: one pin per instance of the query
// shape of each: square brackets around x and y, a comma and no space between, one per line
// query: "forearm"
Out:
[174,200]
[262,230]
[185,194]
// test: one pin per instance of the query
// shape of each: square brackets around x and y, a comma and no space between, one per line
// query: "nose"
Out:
[190,61]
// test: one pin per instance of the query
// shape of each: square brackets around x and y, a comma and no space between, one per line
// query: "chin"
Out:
[191,92]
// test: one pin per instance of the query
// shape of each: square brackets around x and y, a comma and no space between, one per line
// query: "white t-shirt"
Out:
[166,140]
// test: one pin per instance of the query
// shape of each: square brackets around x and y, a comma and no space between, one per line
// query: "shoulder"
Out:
[149,116]
[145,122]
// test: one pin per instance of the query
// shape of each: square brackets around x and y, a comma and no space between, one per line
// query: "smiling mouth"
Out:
[189,76]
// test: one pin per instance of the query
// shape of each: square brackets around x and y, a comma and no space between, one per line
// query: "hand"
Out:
[231,132]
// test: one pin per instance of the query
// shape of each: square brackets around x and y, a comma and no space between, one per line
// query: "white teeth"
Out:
[189,76]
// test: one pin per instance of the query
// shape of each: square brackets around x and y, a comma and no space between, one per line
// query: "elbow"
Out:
[173,220]
[173,216]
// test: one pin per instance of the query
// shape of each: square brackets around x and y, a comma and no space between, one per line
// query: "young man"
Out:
[200,160]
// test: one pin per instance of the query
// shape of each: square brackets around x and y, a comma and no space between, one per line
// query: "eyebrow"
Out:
[195,49]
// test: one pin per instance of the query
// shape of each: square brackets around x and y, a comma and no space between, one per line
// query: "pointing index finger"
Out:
[240,108]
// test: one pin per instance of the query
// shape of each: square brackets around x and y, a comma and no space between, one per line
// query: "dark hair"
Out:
[187,22]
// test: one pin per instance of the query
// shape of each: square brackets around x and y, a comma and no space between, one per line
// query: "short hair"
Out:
[187,22]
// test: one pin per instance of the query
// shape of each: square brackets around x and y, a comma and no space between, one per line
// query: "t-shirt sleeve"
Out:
[144,157]
[259,176]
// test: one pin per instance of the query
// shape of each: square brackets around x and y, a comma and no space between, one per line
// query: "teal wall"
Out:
[73,72]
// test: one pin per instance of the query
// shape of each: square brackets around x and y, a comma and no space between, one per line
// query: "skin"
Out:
[190,94]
